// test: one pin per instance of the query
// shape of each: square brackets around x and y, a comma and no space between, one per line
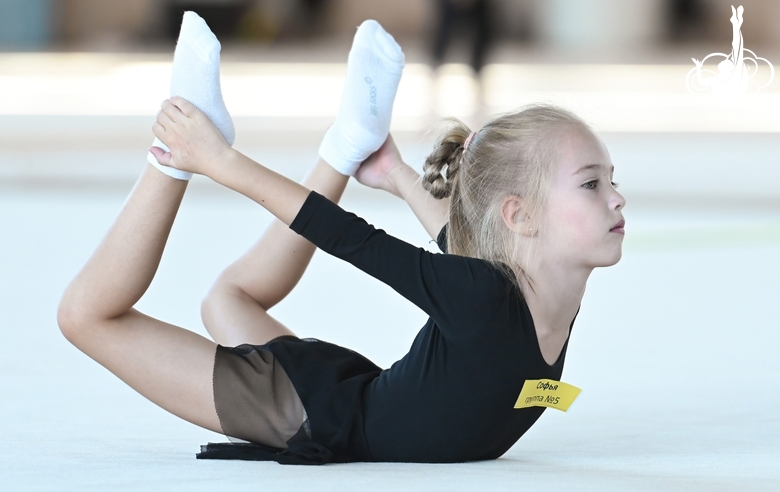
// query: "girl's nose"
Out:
[618,201]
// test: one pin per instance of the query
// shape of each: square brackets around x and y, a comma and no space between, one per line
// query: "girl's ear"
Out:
[516,217]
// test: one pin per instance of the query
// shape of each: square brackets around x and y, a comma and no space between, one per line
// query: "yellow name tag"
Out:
[547,393]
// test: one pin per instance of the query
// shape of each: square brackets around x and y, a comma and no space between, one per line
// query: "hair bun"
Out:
[442,165]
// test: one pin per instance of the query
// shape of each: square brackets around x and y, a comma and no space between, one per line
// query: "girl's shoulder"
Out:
[503,273]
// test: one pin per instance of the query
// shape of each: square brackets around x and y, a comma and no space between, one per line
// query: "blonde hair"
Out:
[516,154]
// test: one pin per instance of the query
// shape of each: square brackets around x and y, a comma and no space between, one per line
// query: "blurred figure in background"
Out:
[459,16]
[311,17]
[253,20]
[687,20]
[223,16]
[469,19]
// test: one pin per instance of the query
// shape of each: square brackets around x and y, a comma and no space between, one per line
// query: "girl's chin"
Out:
[617,258]
[611,260]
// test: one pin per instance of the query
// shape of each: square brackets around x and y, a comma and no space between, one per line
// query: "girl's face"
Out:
[583,222]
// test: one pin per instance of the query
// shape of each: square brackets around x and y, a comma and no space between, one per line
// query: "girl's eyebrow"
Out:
[592,166]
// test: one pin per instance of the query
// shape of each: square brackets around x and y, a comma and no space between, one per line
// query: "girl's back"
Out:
[451,398]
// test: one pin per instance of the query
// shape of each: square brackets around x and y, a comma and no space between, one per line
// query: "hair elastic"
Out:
[468,141]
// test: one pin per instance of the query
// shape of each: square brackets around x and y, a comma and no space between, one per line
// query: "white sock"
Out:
[373,71]
[195,77]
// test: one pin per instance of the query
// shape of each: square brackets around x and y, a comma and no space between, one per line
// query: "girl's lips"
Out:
[619,227]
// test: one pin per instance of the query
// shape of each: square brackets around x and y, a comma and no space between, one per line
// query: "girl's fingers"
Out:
[171,111]
[186,107]
[164,120]
[158,130]
[162,156]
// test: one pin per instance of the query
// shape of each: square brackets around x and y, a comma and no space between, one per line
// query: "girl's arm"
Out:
[279,195]
[386,170]
[197,146]
[457,291]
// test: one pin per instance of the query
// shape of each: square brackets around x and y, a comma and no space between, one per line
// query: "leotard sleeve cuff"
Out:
[305,213]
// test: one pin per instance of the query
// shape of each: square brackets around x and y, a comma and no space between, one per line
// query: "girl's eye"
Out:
[591,185]
[615,185]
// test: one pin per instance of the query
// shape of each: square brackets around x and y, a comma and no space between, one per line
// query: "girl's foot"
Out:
[363,122]
[195,77]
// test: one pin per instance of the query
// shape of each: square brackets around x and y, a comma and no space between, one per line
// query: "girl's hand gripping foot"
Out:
[196,144]
[195,77]
[374,172]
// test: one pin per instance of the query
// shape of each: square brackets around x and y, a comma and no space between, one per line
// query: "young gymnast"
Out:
[524,209]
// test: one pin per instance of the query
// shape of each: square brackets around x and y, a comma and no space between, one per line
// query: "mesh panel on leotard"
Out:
[254,398]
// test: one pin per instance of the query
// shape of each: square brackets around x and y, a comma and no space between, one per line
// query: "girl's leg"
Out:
[169,365]
[235,309]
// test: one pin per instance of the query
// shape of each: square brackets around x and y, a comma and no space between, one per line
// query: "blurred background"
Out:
[141,25]
[683,325]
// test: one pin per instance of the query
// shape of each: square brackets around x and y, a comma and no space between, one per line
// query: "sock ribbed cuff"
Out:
[170,171]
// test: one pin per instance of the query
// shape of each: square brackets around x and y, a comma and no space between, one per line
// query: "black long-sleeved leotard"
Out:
[451,397]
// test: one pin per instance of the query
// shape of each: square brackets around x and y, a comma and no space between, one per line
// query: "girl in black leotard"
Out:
[523,210]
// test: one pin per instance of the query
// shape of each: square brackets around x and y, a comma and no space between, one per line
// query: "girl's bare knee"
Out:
[67,321]
[208,314]
[221,307]
[72,320]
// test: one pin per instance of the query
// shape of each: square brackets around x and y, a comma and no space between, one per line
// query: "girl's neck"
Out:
[555,297]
